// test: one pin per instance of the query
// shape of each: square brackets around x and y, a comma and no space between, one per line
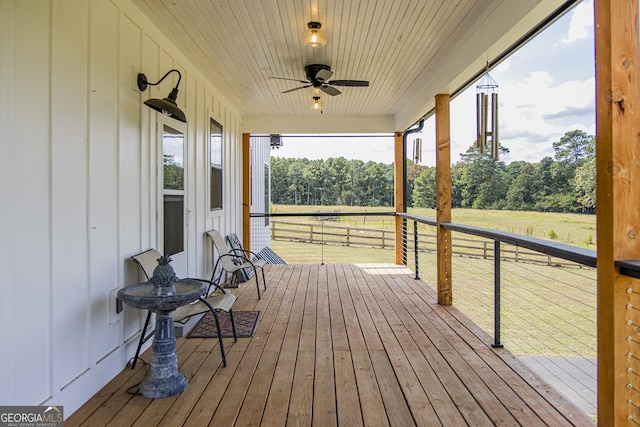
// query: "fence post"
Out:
[496,295]
[348,236]
[382,239]
[311,232]
[322,245]
[415,247]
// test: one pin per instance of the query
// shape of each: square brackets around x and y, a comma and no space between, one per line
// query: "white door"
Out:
[173,215]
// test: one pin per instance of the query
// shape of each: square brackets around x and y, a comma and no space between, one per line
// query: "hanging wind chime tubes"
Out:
[417,151]
[487,86]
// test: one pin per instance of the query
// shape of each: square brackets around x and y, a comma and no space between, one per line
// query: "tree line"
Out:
[564,183]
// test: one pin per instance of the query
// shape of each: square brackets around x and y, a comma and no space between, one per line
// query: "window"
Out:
[173,190]
[215,178]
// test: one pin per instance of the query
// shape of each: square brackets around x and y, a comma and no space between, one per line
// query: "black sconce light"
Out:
[166,105]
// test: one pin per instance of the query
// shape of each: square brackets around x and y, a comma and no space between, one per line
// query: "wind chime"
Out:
[417,151]
[487,86]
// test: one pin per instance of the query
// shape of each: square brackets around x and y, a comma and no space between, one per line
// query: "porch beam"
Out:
[618,221]
[443,197]
[398,195]
[246,191]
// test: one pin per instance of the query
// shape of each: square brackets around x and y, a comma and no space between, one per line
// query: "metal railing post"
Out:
[404,240]
[415,247]
[496,295]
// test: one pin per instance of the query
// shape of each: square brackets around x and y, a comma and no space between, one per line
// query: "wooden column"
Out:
[398,196]
[443,198]
[246,191]
[618,202]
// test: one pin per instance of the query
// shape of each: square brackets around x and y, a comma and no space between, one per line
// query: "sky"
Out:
[546,89]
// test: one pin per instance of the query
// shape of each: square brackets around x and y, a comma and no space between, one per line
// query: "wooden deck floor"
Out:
[342,345]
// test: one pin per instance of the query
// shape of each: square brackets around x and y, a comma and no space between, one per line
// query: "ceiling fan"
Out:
[318,76]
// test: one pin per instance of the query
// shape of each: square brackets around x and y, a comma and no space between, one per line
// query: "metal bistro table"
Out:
[162,295]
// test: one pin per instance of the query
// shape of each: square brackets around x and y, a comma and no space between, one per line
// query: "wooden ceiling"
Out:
[409,51]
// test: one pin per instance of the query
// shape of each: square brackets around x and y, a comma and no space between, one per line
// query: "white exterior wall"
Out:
[260,157]
[79,189]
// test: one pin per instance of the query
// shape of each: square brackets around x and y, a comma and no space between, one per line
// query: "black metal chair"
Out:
[147,261]
[235,260]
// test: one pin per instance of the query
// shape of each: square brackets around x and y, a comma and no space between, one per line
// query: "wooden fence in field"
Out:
[322,233]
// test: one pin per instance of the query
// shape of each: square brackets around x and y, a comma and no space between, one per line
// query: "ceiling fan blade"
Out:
[296,88]
[323,75]
[330,90]
[352,83]
[293,80]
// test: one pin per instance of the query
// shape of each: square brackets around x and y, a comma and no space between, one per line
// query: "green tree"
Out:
[424,189]
[575,147]
[279,183]
[481,184]
[585,185]
[173,173]
[413,172]
[522,192]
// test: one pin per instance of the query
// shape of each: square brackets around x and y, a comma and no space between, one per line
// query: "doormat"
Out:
[245,321]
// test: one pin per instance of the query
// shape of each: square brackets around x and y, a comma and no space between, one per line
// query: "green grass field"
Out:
[572,229]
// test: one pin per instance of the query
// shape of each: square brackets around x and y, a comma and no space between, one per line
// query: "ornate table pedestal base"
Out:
[163,379]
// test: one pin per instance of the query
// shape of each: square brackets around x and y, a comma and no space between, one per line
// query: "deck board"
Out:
[344,344]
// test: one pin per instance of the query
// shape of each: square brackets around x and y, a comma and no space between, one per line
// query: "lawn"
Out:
[569,228]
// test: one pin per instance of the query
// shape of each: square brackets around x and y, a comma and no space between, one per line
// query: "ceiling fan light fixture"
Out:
[314,36]
[316,103]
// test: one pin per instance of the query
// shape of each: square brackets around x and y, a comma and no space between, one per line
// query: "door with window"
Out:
[173,218]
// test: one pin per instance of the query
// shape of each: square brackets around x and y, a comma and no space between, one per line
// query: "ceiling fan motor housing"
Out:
[312,70]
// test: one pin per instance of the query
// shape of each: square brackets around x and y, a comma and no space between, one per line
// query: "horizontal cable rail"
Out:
[576,254]
[330,237]
[541,310]
[320,214]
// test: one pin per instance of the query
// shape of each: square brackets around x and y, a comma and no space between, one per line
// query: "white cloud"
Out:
[533,113]
[581,24]
[378,148]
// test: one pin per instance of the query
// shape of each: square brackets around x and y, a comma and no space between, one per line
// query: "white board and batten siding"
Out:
[260,186]
[79,188]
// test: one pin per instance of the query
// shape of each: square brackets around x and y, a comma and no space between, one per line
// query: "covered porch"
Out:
[83,191]
[343,344]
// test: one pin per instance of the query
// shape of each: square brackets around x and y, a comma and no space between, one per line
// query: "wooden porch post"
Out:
[618,198]
[443,198]
[246,192]
[398,196]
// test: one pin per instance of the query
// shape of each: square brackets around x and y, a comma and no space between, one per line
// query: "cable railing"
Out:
[332,237]
[541,307]
[535,297]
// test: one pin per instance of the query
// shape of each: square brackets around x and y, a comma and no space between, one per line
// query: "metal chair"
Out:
[147,261]
[233,260]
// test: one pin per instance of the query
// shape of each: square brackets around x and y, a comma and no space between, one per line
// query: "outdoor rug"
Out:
[246,322]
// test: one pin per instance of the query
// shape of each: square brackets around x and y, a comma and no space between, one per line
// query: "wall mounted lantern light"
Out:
[314,35]
[166,105]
